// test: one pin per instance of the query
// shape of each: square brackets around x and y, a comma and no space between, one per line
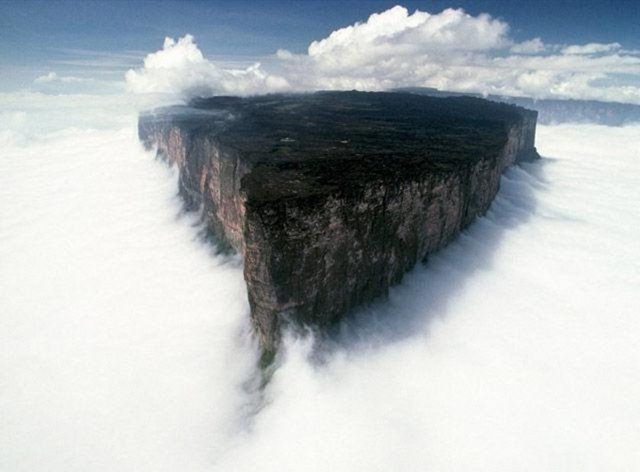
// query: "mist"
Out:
[125,340]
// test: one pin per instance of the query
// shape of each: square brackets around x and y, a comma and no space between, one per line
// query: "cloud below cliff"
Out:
[113,312]
[450,50]
[514,349]
[123,339]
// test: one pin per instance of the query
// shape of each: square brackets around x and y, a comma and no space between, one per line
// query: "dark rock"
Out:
[332,197]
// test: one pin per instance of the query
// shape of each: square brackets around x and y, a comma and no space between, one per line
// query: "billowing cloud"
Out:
[450,50]
[396,32]
[393,48]
[453,50]
[180,67]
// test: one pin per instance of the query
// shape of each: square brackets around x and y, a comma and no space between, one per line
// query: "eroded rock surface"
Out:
[332,197]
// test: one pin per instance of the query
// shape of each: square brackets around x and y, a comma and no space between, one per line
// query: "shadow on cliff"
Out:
[426,292]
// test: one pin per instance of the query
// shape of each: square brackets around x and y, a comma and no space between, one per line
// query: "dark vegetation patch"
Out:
[307,145]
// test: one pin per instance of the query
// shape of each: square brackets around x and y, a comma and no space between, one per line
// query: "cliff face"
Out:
[332,197]
[210,174]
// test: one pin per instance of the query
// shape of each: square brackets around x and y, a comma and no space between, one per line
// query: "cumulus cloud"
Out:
[393,48]
[181,68]
[396,32]
[453,50]
[450,50]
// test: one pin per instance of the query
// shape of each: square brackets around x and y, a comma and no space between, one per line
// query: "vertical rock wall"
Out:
[313,261]
[210,175]
[314,258]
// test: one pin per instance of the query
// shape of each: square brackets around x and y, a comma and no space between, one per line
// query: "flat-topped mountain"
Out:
[331,197]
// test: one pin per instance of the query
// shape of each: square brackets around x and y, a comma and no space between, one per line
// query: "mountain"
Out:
[332,197]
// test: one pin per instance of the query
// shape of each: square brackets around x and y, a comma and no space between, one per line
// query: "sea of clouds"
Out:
[125,340]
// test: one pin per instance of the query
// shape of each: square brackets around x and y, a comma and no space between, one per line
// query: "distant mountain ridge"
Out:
[555,111]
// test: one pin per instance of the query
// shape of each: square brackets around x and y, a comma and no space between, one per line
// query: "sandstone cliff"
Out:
[332,197]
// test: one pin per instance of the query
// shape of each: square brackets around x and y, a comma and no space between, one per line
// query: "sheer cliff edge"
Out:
[332,197]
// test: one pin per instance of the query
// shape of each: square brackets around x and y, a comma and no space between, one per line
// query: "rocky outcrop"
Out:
[332,197]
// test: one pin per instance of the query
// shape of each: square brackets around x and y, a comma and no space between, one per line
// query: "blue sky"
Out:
[106,38]
[32,30]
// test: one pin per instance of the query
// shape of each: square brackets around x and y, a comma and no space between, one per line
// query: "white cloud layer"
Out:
[450,50]
[531,46]
[54,83]
[123,341]
[591,48]
[111,313]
